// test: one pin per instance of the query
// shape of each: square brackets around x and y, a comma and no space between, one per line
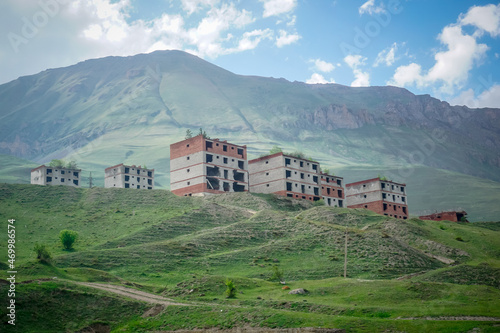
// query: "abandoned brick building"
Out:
[294,177]
[200,166]
[129,176]
[381,196]
[47,175]
[454,216]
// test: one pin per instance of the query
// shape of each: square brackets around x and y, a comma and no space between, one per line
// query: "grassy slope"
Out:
[186,247]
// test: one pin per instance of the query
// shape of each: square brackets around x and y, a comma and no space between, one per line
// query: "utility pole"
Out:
[345,254]
[90,180]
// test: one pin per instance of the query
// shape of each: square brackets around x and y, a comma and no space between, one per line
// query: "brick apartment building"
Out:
[451,215]
[381,196]
[47,175]
[294,177]
[200,166]
[129,176]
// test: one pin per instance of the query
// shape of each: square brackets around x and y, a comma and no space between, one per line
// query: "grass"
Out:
[186,247]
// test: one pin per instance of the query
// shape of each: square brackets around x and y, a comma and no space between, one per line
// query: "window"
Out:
[49,179]
[49,171]
[395,208]
[403,199]
[393,197]
[62,172]
[240,151]
[290,195]
[138,179]
[187,170]
[208,145]
[303,188]
[62,180]
[301,164]
[339,182]
[127,170]
[328,191]
[75,174]
[384,195]
[287,161]
[187,158]
[138,186]
[267,162]
[315,166]
[150,182]
[392,186]
[127,178]
[241,164]
[339,192]
[383,185]
[138,171]
[267,173]
[127,185]
[385,206]
[224,147]
[150,174]
[209,158]
[364,196]
[315,179]
[188,183]
[341,203]
[288,186]
[187,145]
[224,160]
[301,176]
[75,181]
[267,185]
[329,201]
[226,174]
[402,189]
[404,209]
[316,191]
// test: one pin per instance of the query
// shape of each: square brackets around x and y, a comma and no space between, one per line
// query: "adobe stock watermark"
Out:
[363,37]
[31,25]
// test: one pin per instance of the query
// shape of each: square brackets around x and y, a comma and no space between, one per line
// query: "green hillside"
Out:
[186,247]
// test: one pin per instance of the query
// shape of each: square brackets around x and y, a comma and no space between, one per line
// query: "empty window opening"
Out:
[212,183]
[404,210]
[139,186]
[402,189]
[187,170]
[303,197]
[315,179]
[392,187]
[267,173]
[241,164]
[393,197]
[224,160]
[395,208]
[316,191]
[328,191]
[127,178]
[226,187]
[209,158]
[366,206]
[341,203]
[239,176]
[213,171]
[327,179]
[226,175]
[138,171]
[232,147]
[315,166]
[238,188]
[49,171]
[287,161]
[303,188]
[138,179]
[301,176]
[316,198]
[290,195]
[188,183]
[339,192]
[187,145]
[62,172]
[403,199]
[267,185]
[240,151]
[384,195]
[62,180]
[224,148]
[127,170]
[339,182]
[383,185]
[364,196]
[49,179]
[150,174]
[127,185]
[208,145]
[301,164]
[187,158]
[150,182]
[329,201]
[385,206]
[288,186]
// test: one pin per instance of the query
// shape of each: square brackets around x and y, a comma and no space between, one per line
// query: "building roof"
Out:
[45,166]
[128,166]
[373,180]
[278,154]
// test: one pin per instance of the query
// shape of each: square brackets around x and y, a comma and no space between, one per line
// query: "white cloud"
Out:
[277,7]
[318,79]
[489,98]
[251,40]
[322,66]
[452,66]
[370,8]
[191,6]
[361,79]
[387,56]
[286,39]
[486,18]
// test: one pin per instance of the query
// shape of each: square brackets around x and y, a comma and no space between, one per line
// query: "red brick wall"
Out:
[449,216]
[333,191]
[198,143]
[378,207]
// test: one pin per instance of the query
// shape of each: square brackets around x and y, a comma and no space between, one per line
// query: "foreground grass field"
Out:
[402,275]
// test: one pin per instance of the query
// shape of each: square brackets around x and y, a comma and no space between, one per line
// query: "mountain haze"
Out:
[107,111]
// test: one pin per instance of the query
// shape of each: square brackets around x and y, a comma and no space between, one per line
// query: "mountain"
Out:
[106,111]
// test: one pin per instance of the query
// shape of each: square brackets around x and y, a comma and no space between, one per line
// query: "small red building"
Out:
[452,216]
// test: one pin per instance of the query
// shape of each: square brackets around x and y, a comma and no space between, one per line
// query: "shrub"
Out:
[277,274]
[68,238]
[42,253]
[319,203]
[230,289]
[459,239]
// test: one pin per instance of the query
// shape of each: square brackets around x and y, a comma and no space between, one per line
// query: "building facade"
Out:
[201,166]
[294,177]
[129,176]
[454,216]
[381,196]
[47,175]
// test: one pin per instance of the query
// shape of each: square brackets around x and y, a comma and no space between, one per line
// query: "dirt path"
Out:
[132,293]
[470,318]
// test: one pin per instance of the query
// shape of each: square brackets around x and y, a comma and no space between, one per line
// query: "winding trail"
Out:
[132,293]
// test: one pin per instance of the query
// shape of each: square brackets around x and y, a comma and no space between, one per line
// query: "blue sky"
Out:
[446,48]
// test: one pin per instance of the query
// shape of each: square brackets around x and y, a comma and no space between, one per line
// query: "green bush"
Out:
[319,203]
[68,238]
[230,289]
[42,253]
[277,274]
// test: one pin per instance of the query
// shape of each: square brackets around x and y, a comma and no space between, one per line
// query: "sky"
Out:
[449,49]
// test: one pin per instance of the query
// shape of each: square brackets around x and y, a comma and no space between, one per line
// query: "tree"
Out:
[68,238]
[230,288]
[275,150]
[202,132]
[277,274]
[42,253]
[189,134]
[383,178]
[71,165]
[57,163]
